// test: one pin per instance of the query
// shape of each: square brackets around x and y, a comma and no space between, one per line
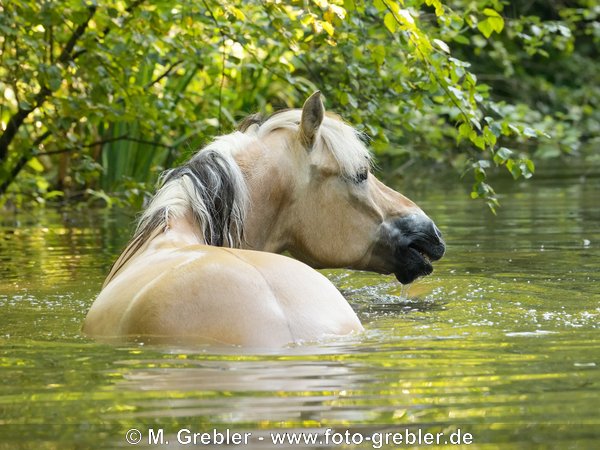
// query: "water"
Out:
[501,342]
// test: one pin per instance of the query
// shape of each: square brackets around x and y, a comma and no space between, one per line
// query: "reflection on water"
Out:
[501,341]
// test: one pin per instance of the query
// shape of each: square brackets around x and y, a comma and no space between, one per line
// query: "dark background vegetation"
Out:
[98,97]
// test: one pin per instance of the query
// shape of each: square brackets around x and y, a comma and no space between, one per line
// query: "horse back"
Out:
[205,294]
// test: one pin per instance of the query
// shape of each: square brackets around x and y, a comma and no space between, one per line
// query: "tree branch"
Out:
[223,60]
[164,74]
[102,142]
[107,28]
[440,82]
[17,120]
[19,117]
[67,52]
[23,160]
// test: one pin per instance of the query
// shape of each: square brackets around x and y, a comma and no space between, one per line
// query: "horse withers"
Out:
[204,263]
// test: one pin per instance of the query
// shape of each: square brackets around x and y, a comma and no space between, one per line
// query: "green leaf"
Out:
[390,23]
[54,78]
[485,27]
[109,201]
[479,175]
[501,155]
[492,22]
[378,52]
[513,168]
[437,4]
[464,130]
[42,184]
[461,39]
[489,137]
[54,194]
[523,167]
[327,27]
[36,165]
[442,45]
[239,15]
[497,23]
[491,12]
[492,203]
[24,104]
[379,5]
[479,141]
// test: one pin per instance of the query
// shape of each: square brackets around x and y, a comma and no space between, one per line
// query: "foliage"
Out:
[98,97]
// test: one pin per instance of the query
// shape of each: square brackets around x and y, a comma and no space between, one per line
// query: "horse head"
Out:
[312,193]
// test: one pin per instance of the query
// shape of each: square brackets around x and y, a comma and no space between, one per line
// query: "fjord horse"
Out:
[204,264]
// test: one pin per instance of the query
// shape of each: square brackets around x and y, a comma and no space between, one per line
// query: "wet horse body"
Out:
[204,265]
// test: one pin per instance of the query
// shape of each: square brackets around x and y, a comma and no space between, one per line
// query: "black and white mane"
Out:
[211,188]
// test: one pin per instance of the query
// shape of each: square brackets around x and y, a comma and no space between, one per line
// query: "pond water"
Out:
[501,343]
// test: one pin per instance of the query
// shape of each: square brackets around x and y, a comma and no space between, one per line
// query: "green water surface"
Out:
[501,342]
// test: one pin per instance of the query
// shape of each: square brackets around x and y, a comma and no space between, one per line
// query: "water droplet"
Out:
[404,290]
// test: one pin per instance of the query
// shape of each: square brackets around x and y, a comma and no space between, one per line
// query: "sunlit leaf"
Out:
[36,165]
[442,45]
[390,22]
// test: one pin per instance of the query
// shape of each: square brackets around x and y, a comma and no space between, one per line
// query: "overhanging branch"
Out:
[23,160]
[19,117]
[102,142]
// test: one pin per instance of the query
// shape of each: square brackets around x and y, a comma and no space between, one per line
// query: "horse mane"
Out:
[212,189]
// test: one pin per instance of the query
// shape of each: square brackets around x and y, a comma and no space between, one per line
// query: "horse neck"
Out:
[181,231]
[261,233]
[263,230]
[265,227]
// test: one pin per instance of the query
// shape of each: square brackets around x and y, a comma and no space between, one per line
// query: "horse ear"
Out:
[312,116]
